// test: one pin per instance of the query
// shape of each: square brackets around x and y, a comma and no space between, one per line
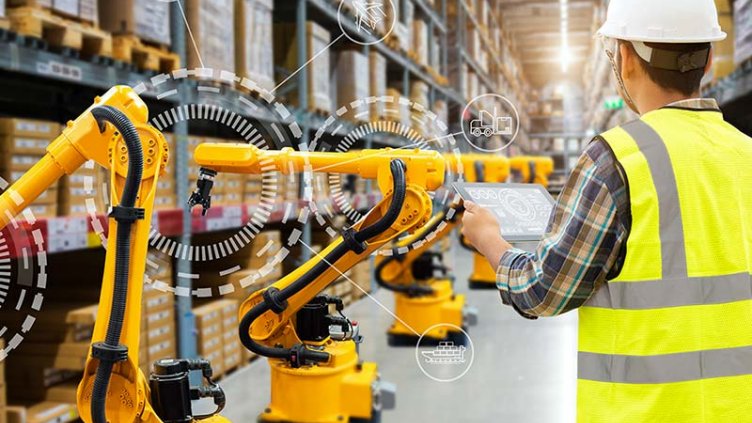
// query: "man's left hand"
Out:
[481,229]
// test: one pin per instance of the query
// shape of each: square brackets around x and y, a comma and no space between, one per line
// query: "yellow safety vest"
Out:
[670,339]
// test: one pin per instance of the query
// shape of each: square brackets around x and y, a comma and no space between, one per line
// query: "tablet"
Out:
[523,210]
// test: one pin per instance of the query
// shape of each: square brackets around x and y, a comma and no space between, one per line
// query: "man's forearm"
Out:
[493,248]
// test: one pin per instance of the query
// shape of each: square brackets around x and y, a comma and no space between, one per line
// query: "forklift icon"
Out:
[489,124]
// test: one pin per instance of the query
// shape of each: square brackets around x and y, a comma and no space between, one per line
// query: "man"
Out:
[652,236]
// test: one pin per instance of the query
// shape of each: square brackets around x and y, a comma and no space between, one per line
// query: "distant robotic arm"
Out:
[397,271]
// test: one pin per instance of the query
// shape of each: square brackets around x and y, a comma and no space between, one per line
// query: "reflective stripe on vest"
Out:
[661,345]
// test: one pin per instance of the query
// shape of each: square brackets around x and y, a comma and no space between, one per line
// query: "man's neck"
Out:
[657,98]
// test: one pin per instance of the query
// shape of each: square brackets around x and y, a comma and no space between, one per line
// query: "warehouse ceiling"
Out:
[548,31]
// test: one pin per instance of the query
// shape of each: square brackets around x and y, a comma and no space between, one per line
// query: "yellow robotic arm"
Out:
[114,132]
[316,378]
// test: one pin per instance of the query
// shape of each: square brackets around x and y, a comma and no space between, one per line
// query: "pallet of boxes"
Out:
[352,89]
[23,142]
[141,33]
[217,333]
[254,58]
[70,25]
[43,377]
[213,31]
[286,55]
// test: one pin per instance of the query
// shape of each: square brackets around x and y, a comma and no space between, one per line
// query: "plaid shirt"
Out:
[584,241]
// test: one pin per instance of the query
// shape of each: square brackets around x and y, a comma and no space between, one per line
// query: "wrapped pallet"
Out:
[397,110]
[253,40]
[351,85]
[420,41]
[211,24]
[286,55]
[743,31]
[377,78]
[419,96]
[147,19]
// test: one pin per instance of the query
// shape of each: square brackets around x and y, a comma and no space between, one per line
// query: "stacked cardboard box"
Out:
[85,10]
[253,40]
[377,78]
[86,191]
[743,31]
[158,325]
[43,412]
[286,56]
[23,142]
[146,19]
[232,349]
[54,355]
[352,87]
[252,190]
[228,189]
[211,23]
[210,334]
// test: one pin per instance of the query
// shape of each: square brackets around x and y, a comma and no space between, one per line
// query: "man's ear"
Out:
[628,61]
[710,61]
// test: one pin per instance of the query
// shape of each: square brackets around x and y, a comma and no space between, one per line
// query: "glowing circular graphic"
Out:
[446,361]
[496,116]
[514,203]
[23,275]
[369,18]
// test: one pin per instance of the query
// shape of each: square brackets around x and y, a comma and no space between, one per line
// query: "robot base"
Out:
[483,276]
[342,390]
[435,316]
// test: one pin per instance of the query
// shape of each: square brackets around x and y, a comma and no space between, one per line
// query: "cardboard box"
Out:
[286,55]
[212,24]
[29,128]
[147,19]
[254,40]
[351,85]
[21,144]
[51,412]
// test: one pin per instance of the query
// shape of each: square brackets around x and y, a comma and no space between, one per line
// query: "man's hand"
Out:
[481,229]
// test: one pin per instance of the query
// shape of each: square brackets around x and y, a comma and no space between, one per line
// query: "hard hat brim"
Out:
[607,31]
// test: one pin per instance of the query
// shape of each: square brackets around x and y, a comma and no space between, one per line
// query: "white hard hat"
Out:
[663,21]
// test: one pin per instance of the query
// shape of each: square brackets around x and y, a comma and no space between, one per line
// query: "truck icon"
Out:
[489,124]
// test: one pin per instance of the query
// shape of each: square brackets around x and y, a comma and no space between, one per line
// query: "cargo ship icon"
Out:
[445,353]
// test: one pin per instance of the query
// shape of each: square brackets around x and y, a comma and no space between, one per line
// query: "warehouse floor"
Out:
[523,370]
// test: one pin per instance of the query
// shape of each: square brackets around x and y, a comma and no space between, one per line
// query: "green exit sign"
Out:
[614,103]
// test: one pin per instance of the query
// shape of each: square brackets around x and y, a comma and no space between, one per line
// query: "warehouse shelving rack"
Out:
[53,79]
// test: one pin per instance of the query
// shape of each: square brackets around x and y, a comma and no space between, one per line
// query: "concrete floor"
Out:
[523,371]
